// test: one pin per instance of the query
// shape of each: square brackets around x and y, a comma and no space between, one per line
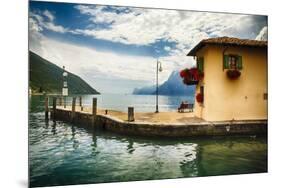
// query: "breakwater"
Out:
[106,122]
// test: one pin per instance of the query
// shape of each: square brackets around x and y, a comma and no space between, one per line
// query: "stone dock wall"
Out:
[109,123]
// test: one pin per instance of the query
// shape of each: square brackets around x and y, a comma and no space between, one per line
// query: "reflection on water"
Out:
[62,154]
[130,147]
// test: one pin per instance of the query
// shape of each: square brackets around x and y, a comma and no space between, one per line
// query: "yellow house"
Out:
[233,79]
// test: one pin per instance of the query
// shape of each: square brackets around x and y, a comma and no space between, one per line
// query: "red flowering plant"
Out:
[233,73]
[195,73]
[201,75]
[199,97]
[191,76]
[184,73]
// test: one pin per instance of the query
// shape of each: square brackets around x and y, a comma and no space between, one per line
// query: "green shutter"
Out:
[225,62]
[200,64]
[239,62]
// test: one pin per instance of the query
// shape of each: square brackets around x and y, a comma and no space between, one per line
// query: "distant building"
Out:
[231,79]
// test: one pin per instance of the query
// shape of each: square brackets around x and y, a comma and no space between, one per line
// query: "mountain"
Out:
[45,76]
[149,90]
[173,86]
[263,34]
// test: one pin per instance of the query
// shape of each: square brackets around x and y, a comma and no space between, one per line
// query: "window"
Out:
[232,62]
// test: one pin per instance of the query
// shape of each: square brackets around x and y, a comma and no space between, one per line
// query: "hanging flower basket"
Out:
[199,98]
[233,74]
[191,76]
[195,73]
[188,81]
[184,73]
[201,75]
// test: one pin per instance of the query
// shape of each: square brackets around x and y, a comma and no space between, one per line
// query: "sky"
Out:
[115,48]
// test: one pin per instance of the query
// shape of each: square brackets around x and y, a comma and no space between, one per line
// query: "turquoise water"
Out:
[64,154]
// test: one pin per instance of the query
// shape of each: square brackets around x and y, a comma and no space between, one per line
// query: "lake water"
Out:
[62,154]
[141,103]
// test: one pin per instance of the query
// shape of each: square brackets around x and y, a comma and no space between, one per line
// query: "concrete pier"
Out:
[92,119]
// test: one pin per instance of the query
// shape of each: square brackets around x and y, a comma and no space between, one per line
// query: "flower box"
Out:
[190,82]
[191,76]
[233,74]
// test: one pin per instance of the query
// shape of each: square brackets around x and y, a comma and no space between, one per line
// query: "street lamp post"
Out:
[157,70]
[65,87]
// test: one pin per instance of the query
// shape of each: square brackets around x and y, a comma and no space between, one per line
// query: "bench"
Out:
[187,106]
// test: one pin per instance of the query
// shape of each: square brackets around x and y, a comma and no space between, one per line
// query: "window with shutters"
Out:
[233,62]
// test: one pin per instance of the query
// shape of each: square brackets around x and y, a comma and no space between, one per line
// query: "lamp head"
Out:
[160,68]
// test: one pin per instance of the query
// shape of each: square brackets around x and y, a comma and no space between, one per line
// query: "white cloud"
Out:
[186,28]
[57,28]
[145,26]
[49,15]
[34,26]
[167,48]
[139,27]
[35,36]
[43,23]
[106,65]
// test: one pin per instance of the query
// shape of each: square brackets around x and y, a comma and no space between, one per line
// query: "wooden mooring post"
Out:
[80,103]
[73,109]
[131,114]
[54,107]
[46,108]
[94,109]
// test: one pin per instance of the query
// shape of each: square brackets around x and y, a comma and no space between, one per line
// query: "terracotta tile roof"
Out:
[227,41]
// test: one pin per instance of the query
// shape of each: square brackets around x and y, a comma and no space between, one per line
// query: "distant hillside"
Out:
[173,86]
[47,77]
[263,35]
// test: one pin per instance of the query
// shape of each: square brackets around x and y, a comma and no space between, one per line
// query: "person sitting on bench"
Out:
[185,105]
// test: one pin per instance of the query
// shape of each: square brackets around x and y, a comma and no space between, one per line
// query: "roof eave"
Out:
[200,45]
[194,50]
